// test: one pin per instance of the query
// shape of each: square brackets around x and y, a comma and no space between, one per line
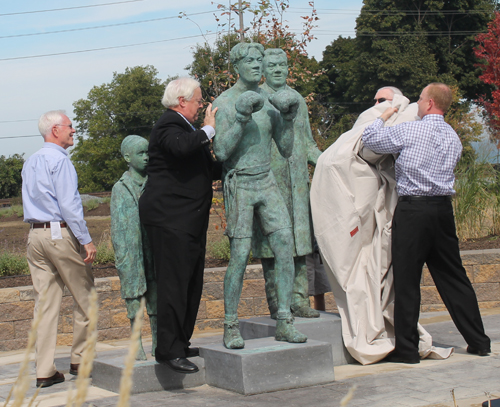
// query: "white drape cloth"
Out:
[353,197]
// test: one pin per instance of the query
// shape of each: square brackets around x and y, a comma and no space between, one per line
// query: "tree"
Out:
[10,176]
[129,104]
[407,44]
[211,62]
[488,51]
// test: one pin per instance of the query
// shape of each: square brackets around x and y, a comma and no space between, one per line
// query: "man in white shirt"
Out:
[60,249]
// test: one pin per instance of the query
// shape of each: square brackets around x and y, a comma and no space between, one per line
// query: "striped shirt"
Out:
[428,149]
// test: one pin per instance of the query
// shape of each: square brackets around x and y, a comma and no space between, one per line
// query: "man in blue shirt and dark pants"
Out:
[423,226]
[60,249]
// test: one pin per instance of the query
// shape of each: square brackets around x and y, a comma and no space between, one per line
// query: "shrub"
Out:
[13,264]
[18,210]
[221,250]
[6,212]
[91,204]
[105,253]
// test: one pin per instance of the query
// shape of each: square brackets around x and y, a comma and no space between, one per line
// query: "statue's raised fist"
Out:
[286,102]
[247,103]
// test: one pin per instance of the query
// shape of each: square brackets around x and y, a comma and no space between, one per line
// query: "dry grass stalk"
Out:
[348,397]
[8,397]
[85,369]
[126,379]
[453,395]
[22,383]
[35,395]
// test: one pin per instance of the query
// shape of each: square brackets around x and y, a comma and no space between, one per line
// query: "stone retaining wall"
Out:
[16,304]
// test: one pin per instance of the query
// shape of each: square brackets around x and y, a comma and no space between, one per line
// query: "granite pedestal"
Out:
[148,375]
[326,328]
[266,365]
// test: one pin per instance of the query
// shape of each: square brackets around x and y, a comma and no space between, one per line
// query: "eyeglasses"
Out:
[380,100]
[65,125]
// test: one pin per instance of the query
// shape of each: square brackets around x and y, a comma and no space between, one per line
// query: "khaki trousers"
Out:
[54,264]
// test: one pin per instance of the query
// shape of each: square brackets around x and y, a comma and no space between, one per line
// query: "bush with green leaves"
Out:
[91,204]
[13,264]
[220,249]
[105,253]
[18,210]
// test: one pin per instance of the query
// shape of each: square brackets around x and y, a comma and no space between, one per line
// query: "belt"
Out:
[409,198]
[46,225]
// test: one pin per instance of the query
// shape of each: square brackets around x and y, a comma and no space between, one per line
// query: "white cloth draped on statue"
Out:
[353,197]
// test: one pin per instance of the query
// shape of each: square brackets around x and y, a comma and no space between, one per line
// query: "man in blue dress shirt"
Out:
[423,226]
[60,249]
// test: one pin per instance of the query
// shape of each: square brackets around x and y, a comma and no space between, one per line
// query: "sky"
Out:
[53,52]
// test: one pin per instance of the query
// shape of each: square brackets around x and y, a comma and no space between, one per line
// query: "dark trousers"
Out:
[424,232]
[179,263]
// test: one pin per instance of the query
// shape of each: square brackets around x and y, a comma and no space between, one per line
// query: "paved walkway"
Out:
[384,384]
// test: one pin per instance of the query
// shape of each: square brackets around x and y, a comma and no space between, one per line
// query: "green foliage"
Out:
[211,66]
[10,176]
[105,253]
[475,203]
[406,44]
[129,104]
[219,249]
[13,264]
[9,211]
[6,212]
[18,210]
[211,62]
[91,204]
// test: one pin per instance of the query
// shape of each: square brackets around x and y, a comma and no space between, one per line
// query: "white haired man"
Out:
[386,93]
[174,209]
[60,249]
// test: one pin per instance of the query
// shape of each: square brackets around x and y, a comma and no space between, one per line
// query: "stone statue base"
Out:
[326,328]
[266,365]
[148,375]
[263,365]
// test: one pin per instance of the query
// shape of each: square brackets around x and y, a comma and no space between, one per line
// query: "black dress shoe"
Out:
[49,381]
[192,352]
[73,368]
[180,365]
[395,358]
[480,352]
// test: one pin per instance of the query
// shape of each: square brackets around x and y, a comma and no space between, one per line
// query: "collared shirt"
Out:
[209,130]
[429,150]
[50,191]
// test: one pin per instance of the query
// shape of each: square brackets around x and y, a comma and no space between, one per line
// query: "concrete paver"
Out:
[427,384]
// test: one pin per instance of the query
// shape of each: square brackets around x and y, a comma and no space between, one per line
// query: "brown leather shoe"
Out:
[49,381]
[73,368]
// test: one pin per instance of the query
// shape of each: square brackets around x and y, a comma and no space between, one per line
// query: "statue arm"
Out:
[313,152]
[229,133]
[283,136]
[287,104]
[231,124]
[124,226]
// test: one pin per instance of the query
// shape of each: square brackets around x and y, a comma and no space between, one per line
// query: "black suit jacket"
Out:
[178,193]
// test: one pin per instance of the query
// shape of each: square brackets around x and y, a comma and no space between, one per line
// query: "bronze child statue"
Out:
[133,256]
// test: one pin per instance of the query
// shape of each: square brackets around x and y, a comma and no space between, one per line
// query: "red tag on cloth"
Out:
[354,231]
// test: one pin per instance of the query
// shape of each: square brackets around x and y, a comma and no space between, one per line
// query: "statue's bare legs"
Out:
[133,305]
[283,279]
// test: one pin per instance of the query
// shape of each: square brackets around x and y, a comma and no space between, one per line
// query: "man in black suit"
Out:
[174,209]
